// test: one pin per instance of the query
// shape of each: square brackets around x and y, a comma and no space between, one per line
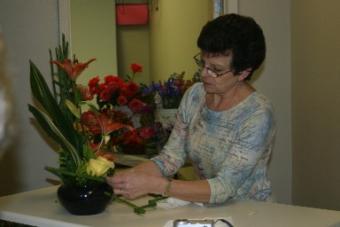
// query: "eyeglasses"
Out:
[201,64]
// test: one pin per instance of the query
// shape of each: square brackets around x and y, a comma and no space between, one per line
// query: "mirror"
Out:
[166,44]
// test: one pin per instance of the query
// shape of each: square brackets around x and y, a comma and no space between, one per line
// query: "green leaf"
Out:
[43,124]
[53,129]
[59,172]
[74,110]
[88,152]
[43,95]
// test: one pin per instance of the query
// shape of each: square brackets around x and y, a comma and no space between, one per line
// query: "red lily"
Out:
[73,69]
[100,123]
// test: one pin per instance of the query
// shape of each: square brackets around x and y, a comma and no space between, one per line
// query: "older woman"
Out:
[224,127]
[6,123]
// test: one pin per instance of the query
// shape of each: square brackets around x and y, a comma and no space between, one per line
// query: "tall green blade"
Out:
[43,95]
[52,129]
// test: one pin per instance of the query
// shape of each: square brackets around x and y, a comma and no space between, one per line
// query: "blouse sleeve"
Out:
[249,149]
[173,154]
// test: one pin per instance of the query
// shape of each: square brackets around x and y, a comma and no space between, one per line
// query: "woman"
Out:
[224,127]
[6,114]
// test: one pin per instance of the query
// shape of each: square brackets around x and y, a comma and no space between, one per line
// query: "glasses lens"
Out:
[201,64]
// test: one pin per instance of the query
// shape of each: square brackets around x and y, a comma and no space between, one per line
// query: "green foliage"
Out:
[56,118]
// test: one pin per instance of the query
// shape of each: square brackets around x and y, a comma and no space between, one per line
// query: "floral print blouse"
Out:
[230,149]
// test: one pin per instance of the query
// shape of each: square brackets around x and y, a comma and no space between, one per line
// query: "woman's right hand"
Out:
[132,184]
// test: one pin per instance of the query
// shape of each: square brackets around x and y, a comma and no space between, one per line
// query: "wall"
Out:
[30,28]
[133,47]
[316,103]
[173,34]
[274,80]
[93,34]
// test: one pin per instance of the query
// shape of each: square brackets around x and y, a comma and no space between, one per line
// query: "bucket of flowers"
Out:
[88,124]
[168,95]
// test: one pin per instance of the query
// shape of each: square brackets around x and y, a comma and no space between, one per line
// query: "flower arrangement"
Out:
[167,97]
[123,119]
[88,123]
[171,91]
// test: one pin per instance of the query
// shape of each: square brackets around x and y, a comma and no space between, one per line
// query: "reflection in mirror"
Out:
[93,35]
[166,44]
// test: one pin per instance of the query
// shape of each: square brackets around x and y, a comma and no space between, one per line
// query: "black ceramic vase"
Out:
[85,200]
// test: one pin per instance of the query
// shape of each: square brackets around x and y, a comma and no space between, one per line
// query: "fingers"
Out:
[119,184]
[119,191]
[116,183]
[125,191]
[127,184]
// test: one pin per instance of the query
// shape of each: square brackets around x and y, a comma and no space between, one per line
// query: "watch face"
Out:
[193,223]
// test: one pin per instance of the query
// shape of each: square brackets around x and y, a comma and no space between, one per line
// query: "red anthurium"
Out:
[136,68]
[73,69]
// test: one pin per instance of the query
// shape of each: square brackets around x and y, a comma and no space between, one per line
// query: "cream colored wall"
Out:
[274,80]
[316,103]
[93,34]
[133,47]
[29,29]
[173,33]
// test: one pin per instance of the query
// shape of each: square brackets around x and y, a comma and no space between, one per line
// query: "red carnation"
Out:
[114,80]
[106,93]
[147,132]
[136,68]
[122,100]
[136,105]
[93,85]
[129,89]
[132,137]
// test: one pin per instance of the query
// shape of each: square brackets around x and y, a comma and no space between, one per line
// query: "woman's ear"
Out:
[244,74]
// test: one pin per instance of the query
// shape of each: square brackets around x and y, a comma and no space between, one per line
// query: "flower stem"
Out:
[136,209]
[141,209]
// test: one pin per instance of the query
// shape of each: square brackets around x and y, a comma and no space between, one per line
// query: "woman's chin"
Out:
[209,88]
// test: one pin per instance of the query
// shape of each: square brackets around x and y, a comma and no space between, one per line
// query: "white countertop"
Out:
[41,208]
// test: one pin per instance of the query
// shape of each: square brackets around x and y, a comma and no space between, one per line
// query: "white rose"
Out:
[98,166]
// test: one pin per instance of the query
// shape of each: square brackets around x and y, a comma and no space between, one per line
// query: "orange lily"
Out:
[73,69]
[101,123]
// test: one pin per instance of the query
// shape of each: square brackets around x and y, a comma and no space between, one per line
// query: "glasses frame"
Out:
[201,64]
